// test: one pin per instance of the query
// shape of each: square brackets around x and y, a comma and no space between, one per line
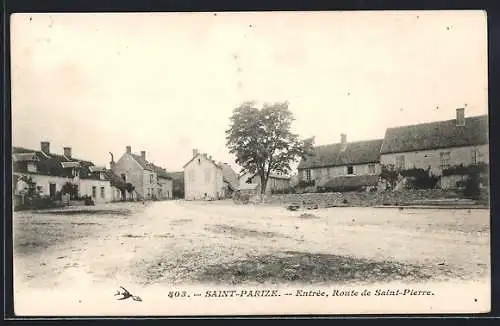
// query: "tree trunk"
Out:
[263,185]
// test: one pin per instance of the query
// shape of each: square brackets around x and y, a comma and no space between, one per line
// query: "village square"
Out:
[247,156]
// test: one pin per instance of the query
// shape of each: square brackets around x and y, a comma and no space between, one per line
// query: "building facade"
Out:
[51,172]
[342,165]
[204,179]
[150,181]
[438,146]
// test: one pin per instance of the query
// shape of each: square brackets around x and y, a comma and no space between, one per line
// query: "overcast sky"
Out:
[168,82]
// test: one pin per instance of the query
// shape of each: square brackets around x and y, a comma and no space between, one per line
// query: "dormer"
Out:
[73,166]
[99,171]
[28,160]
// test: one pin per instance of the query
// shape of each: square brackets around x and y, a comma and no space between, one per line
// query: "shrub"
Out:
[466,170]
[71,189]
[390,175]
[37,203]
[472,189]
[420,178]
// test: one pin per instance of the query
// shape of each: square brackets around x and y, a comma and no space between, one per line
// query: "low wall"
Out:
[364,198]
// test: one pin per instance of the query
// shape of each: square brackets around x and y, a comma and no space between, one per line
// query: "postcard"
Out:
[250,163]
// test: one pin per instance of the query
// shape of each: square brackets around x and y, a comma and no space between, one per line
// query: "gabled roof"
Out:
[205,155]
[25,157]
[435,135]
[360,152]
[115,180]
[160,172]
[54,164]
[229,176]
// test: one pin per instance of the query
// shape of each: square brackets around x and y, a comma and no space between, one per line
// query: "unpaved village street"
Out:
[220,242]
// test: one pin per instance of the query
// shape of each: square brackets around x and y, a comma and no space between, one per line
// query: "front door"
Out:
[52,190]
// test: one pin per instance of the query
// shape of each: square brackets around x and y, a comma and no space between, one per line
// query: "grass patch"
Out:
[83,211]
[309,268]
[242,232]
[308,216]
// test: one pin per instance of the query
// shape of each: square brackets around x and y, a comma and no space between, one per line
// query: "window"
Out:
[319,173]
[475,154]
[149,192]
[101,175]
[308,175]
[31,167]
[371,168]
[151,178]
[350,169]
[124,176]
[102,192]
[94,189]
[445,160]
[400,162]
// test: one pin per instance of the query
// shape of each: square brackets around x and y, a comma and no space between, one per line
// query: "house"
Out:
[51,172]
[438,146]
[206,179]
[149,180]
[276,182]
[342,166]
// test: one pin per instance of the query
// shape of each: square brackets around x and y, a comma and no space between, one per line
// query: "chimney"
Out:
[128,149]
[67,152]
[143,155]
[343,141]
[45,147]
[112,162]
[461,117]
[195,152]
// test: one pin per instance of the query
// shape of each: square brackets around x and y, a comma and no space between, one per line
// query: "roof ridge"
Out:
[350,142]
[438,121]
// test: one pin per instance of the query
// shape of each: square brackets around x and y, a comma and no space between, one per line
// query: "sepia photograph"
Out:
[250,163]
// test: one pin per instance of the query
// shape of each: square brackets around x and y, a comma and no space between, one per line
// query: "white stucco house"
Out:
[206,179]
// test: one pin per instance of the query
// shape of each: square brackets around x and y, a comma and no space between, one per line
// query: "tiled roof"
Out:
[205,155]
[54,164]
[115,180]
[360,152]
[229,176]
[434,135]
[350,181]
[160,172]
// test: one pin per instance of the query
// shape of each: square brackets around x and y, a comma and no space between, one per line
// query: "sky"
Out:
[167,82]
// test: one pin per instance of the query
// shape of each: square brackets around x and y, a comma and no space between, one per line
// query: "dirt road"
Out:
[179,242]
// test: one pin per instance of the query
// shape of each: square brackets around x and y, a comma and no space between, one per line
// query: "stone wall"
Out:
[364,198]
